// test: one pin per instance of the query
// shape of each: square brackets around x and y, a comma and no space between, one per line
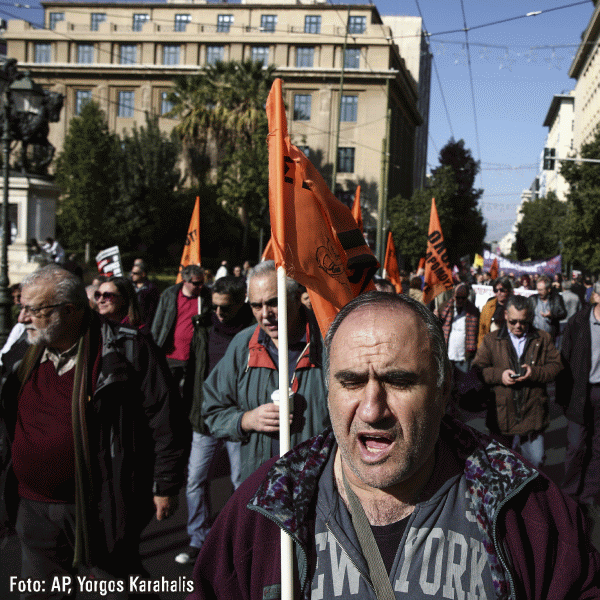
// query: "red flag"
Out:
[314,234]
[191,250]
[494,269]
[390,264]
[438,276]
[356,212]
[421,264]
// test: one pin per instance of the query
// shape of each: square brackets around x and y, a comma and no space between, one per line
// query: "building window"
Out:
[349,108]
[357,24]
[41,52]
[171,54]
[165,105]
[305,56]
[138,20]
[214,54]
[127,54]
[346,160]
[312,24]
[82,97]
[85,54]
[268,23]
[181,22]
[96,19]
[125,108]
[224,23]
[260,54]
[54,18]
[352,58]
[301,107]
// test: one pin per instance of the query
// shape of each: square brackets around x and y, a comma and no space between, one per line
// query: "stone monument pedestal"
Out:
[32,203]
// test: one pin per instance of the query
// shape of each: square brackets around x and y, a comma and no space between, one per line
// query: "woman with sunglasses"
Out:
[117,301]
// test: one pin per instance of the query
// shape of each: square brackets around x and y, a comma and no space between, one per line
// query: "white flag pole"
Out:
[287,570]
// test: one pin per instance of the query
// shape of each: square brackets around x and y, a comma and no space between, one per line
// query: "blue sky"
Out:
[517,66]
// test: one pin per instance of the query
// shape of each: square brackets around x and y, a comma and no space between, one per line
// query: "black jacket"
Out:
[137,436]
[557,310]
[572,385]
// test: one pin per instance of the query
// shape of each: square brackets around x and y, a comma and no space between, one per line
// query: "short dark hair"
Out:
[431,322]
[519,302]
[232,286]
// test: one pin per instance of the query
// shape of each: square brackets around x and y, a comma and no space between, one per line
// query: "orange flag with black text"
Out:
[438,276]
[314,234]
[494,269]
[191,249]
[356,212]
[390,264]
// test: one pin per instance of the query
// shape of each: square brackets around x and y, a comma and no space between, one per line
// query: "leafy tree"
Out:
[539,232]
[222,116]
[582,224]
[85,172]
[147,178]
[451,184]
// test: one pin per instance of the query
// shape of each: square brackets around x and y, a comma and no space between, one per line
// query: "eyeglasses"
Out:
[224,308]
[498,290]
[519,321]
[136,272]
[108,296]
[35,311]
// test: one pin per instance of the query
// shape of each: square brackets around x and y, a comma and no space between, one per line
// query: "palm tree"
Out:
[222,116]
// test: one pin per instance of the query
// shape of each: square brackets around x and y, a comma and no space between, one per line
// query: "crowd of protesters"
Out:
[205,355]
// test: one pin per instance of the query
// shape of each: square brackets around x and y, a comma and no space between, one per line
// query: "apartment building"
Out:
[125,56]
[560,121]
[585,68]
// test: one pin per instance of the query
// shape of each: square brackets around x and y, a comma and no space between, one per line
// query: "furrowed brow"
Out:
[350,376]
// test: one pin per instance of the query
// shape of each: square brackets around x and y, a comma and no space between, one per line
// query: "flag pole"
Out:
[287,571]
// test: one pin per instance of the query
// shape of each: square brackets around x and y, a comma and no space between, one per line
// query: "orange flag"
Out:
[390,264]
[268,251]
[494,269]
[191,250]
[356,212]
[438,276]
[314,235]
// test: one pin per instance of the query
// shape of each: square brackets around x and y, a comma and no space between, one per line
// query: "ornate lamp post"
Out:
[21,98]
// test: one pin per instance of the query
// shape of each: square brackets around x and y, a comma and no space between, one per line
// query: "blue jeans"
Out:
[203,451]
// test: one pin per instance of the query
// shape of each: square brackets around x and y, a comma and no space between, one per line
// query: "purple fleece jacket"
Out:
[536,538]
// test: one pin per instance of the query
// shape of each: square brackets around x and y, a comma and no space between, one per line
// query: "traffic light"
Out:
[549,154]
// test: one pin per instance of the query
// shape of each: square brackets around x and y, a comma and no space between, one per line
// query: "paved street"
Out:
[162,541]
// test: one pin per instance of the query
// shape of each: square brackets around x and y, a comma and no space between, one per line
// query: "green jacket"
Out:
[246,377]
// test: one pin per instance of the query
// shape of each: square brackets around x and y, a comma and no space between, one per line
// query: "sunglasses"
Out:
[108,296]
[498,290]
[136,272]
[519,321]
[196,283]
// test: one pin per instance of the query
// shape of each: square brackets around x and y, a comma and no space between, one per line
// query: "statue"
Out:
[29,128]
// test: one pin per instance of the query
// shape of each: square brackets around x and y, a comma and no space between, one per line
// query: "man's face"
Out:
[502,293]
[192,288]
[224,307]
[45,327]
[542,290]
[237,271]
[460,298]
[137,275]
[262,296]
[517,321]
[384,402]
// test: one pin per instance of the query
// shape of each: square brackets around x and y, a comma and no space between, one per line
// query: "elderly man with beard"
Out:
[90,437]
[398,501]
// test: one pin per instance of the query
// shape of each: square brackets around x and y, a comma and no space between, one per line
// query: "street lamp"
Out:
[21,99]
